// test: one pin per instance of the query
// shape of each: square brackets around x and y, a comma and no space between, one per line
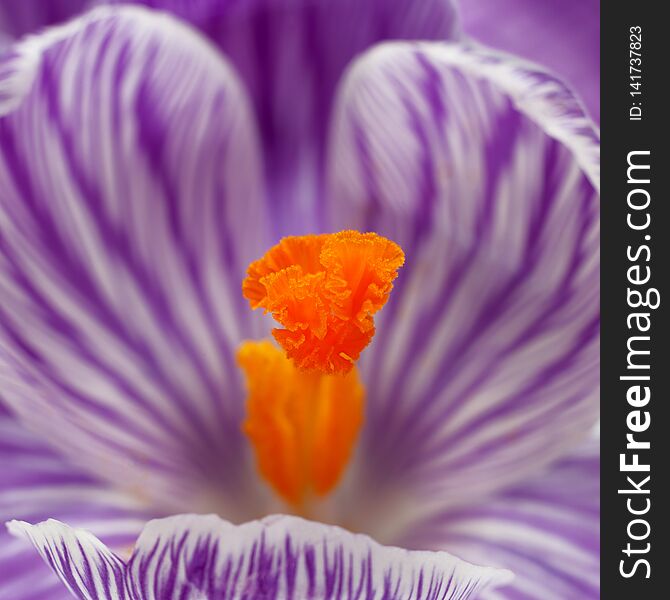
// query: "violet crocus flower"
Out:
[145,163]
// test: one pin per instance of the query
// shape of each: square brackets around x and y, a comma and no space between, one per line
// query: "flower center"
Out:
[305,405]
[324,291]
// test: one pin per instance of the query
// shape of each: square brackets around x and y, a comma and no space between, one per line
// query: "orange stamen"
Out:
[302,425]
[324,290]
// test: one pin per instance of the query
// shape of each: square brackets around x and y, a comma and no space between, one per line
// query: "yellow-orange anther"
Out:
[324,290]
[302,425]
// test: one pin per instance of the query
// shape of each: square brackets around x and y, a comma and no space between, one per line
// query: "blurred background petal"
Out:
[37,483]
[562,35]
[18,17]
[484,367]
[130,180]
[546,531]
[291,54]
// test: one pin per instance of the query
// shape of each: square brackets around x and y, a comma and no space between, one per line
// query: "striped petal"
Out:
[37,483]
[485,363]
[18,17]
[291,54]
[546,531]
[85,565]
[563,35]
[189,557]
[129,208]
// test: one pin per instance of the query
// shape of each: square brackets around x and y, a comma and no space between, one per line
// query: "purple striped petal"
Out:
[291,54]
[546,531]
[280,557]
[485,363]
[36,483]
[85,565]
[129,209]
[562,35]
[18,17]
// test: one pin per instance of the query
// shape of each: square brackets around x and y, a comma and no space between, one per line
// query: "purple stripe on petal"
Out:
[485,363]
[545,530]
[291,54]
[130,205]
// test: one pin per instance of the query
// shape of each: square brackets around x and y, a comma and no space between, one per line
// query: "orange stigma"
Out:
[324,290]
[302,425]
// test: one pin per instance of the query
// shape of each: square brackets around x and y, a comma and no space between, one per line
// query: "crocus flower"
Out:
[148,170]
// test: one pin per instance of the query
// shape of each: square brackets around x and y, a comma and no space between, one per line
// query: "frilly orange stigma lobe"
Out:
[324,290]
